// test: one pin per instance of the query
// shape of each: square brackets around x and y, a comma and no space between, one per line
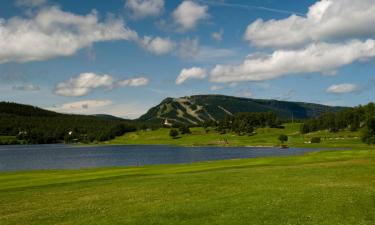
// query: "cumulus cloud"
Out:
[83,84]
[318,57]
[80,106]
[52,32]
[157,45]
[218,36]
[216,88]
[145,8]
[86,82]
[126,109]
[192,73]
[342,88]
[326,20]
[188,14]
[133,82]
[190,49]
[26,87]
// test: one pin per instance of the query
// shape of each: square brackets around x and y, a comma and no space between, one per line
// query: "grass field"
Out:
[263,137]
[7,139]
[329,187]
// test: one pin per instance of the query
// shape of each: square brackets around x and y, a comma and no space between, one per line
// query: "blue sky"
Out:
[122,57]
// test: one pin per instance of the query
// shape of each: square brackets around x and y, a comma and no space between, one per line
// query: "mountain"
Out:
[199,108]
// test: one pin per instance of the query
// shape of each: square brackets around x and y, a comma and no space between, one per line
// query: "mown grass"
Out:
[7,138]
[263,137]
[329,187]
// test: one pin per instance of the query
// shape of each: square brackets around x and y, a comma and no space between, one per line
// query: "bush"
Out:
[368,133]
[184,130]
[173,133]
[316,140]
[283,138]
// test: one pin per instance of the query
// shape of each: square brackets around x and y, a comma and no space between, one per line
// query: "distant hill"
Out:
[38,126]
[199,108]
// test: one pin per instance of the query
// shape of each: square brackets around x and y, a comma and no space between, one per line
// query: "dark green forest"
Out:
[247,122]
[354,119]
[32,125]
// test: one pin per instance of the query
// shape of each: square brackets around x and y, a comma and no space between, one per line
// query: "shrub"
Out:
[283,138]
[173,133]
[316,140]
[184,130]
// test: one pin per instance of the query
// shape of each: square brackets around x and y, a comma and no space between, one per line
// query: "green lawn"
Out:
[7,138]
[329,187]
[263,137]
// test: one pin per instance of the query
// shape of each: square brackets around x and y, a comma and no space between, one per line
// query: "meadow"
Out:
[328,187]
[262,137]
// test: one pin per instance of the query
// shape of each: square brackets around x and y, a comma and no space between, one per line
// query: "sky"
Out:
[121,57]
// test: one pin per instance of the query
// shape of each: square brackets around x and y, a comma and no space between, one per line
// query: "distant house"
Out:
[167,123]
[22,133]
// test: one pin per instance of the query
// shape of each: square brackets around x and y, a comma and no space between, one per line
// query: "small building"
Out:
[167,123]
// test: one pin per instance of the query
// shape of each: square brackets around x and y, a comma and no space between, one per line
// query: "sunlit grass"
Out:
[331,187]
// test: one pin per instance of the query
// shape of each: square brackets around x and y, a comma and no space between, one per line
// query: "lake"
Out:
[35,157]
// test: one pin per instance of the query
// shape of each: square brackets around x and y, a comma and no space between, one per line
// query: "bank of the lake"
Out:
[328,187]
[263,137]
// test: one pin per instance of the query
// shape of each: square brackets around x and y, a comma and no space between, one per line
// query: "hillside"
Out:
[199,108]
[31,124]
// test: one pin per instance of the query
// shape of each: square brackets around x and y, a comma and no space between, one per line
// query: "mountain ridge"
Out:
[197,109]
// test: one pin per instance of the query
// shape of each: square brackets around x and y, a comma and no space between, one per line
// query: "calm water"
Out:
[32,157]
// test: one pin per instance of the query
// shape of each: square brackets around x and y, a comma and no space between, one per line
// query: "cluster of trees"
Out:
[245,123]
[353,119]
[32,125]
[184,129]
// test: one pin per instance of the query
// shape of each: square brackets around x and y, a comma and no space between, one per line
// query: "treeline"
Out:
[33,125]
[245,123]
[353,119]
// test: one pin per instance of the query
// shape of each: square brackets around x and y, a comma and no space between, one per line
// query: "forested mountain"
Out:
[35,125]
[202,108]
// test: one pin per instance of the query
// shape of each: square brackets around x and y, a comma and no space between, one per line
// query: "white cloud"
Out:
[133,82]
[144,8]
[247,94]
[83,84]
[86,82]
[127,109]
[218,36]
[26,87]
[52,33]
[244,94]
[192,73]
[314,58]
[30,3]
[188,14]
[80,106]
[216,88]
[325,20]
[157,45]
[342,88]
[190,49]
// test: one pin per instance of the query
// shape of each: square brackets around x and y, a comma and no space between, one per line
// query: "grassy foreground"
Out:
[263,137]
[329,187]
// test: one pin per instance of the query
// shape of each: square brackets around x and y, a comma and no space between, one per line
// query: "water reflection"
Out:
[32,157]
